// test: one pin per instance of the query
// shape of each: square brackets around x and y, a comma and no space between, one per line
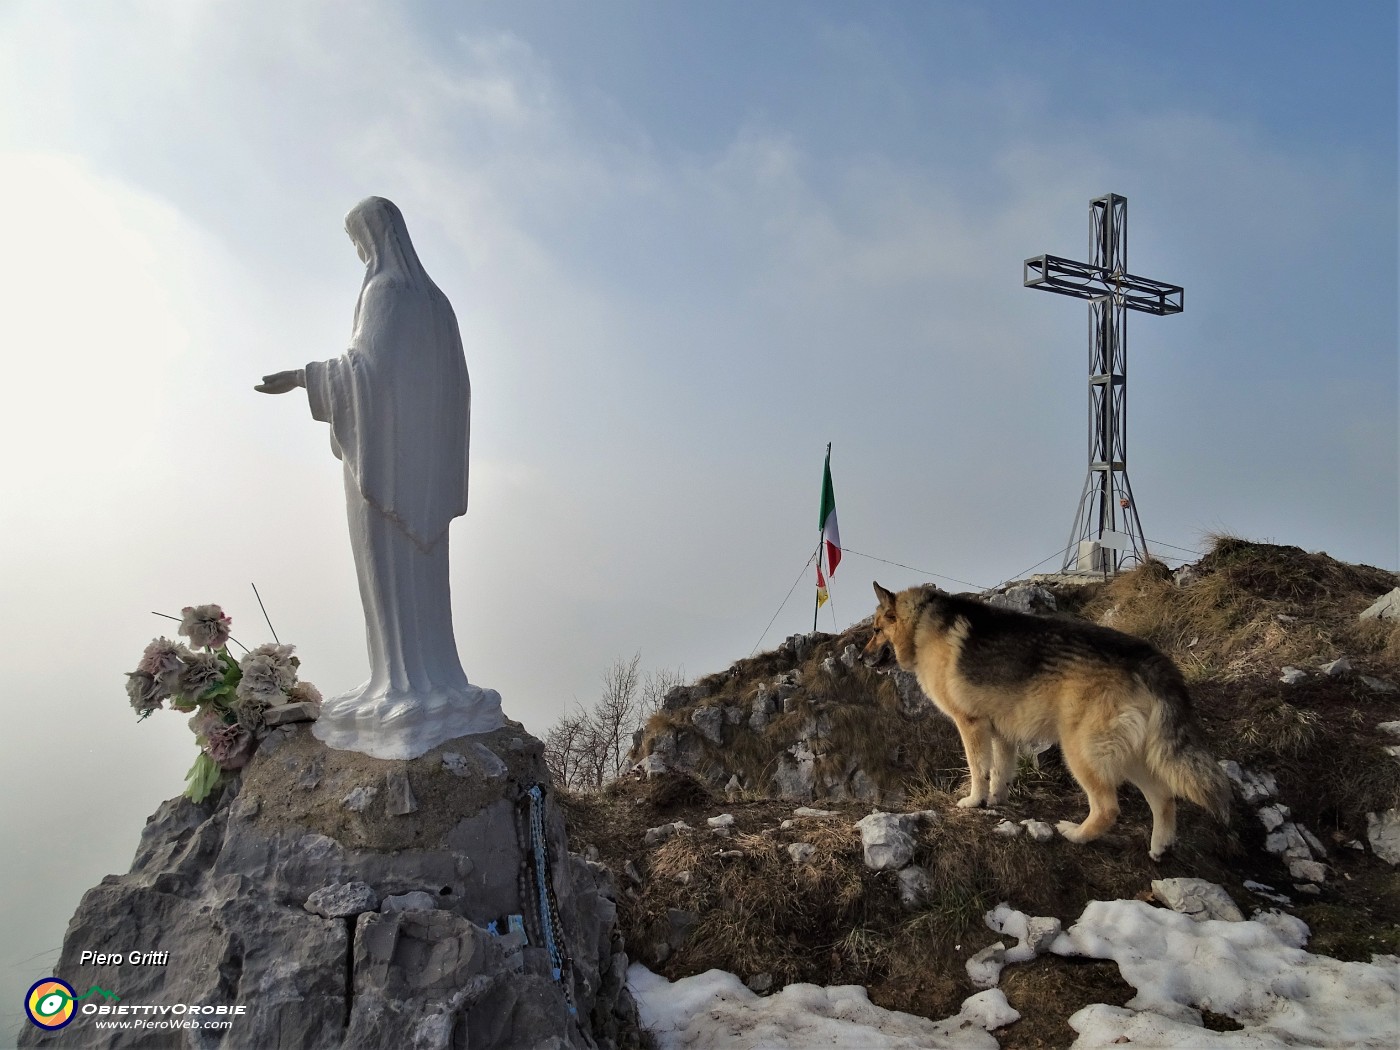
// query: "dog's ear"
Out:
[886,597]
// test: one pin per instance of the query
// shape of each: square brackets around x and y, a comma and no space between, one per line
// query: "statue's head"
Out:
[380,235]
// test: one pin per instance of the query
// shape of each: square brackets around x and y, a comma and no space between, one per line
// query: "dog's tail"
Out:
[1173,751]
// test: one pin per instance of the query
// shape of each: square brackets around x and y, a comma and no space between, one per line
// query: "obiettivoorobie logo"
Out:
[51,1003]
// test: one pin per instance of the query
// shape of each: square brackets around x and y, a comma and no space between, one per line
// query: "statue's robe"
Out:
[399,407]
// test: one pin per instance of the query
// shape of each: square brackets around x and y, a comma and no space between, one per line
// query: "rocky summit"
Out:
[346,901]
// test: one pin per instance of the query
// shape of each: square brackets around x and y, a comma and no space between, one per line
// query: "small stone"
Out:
[310,777]
[285,714]
[657,835]
[456,764]
[915,886]
[729,854]
[630,870]
[1292,675]
[1307,870]
[1307,888]
[1038,830]
[342,899]
[1008,829]
[681,922]
[1338,667]
[1285,618]
[398,795]
[1392,728]
[684,877]
[1273,817]
[1379,685]
[807,811]
[415,900]
[733,789]
[724,822]
[760,982]
[359,799]
[801,852]
[850,656]
[1260,889]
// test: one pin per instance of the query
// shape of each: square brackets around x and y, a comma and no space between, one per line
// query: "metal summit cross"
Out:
[1098,542]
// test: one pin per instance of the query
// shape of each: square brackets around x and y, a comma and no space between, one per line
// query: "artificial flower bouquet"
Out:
[229,701]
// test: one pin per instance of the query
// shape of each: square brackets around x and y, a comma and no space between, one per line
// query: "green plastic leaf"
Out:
[203,777]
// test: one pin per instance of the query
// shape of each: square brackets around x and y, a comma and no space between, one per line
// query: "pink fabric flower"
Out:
[144,692]
[162,661]
[229,745]
[205,626]
[199,672]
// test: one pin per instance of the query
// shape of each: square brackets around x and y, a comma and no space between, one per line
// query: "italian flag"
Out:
[829,553]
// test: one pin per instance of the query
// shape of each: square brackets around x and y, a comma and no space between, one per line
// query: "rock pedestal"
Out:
[268,900]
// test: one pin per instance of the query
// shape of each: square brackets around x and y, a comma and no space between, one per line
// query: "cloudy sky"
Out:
[688,245]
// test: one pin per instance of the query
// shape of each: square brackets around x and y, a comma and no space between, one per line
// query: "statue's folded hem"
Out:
[404,726]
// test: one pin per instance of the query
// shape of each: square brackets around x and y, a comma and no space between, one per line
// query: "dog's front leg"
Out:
[1003,770]
[977,745]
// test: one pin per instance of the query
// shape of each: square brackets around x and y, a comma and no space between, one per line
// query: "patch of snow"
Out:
[1254,972]
[715,1011]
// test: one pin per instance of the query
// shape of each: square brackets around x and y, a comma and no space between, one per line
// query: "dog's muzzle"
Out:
[879,658]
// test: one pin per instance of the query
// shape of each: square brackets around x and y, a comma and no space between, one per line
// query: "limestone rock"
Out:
[1338,667]
[1255,787]
[795,776]
[1023,597]
[886,840]
[1038,830]
[358,800]
[801,852]
[760,982]
[1386,607]
[285,714]
[256,895]
[710,722]
[398,795]
[1383,833]
[1197,898]
[342,900]
[1292,675]
[417,900]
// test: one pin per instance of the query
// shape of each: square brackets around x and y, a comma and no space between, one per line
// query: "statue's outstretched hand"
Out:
[282,382]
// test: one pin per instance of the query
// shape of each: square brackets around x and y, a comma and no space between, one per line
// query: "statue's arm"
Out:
[282,382]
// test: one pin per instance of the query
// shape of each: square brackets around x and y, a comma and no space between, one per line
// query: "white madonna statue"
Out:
[399,407]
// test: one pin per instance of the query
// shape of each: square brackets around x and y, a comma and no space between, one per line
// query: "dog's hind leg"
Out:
[1159,797]
[1101,789]
[1003,770]
[976,736]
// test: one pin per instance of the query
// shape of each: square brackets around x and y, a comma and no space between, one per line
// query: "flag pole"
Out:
[816,598]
